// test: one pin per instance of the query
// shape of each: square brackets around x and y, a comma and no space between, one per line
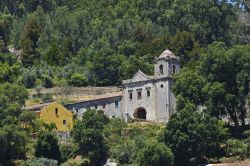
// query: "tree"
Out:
[106,68]
[47,146]
[91,144]
[183,44]
[94,119]
[190,85]
[9,68]
[156,154]
[88,134]
[227,72]
[5,23]
[194,137]
[13,143]
[13,139]
[29,78]
[30,37]
[13,94]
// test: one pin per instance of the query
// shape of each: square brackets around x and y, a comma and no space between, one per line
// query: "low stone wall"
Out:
[75,91]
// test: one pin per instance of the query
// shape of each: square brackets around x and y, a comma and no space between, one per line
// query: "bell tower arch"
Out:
[166,65]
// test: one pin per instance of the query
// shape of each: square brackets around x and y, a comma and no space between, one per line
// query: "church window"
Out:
[173,69]
[56,111]
[95,106]
[148,93]
[162,86]
[161,69]
[64,122]
[130,96]
[139,94]
[116,104]
[104,106]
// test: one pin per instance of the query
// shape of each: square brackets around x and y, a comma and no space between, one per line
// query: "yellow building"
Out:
[56,113]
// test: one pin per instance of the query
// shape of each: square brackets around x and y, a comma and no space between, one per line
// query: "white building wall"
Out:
[162,98]
[145,102]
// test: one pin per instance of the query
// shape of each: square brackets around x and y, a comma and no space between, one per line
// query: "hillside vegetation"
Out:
[82,42]
[51,43]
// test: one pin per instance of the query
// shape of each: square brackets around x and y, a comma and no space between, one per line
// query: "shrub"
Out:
[46,97]
[77,162]
[41,162]
[67,151]
[29,79]
[78,80]
[47,82]
[237,147]
[123,152]
[247,133]
[155,154]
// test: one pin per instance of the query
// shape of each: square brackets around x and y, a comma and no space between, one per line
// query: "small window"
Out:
[116,104]
[162,86]
[173,69]
[139,94]
[64,122]
[77,110]
[161,69]
[130,96]
[95,106]
[56,111]
[148,93]
[104,106]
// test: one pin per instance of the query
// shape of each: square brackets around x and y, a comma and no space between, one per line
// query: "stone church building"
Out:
[150,97]
[143,97]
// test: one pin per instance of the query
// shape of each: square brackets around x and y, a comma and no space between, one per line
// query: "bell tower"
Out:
[166,65]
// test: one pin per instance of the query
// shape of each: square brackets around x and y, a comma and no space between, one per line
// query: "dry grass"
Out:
[236,163]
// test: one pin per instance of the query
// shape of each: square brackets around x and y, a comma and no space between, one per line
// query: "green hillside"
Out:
[70,44]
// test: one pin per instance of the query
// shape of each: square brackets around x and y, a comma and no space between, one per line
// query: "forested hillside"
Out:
[82,42]
[50,43]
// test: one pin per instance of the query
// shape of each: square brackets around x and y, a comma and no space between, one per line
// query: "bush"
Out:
[47,82]
[29,79]
[78,80]
[41,162]
[47,146]
[46,97]
[247,133]
[155,154]
[77,162]
[123,153]
[67,151]
[237,147]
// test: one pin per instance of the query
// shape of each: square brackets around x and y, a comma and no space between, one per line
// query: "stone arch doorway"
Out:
[140,113]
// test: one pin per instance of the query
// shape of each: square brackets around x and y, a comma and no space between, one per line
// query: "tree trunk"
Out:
[234,117]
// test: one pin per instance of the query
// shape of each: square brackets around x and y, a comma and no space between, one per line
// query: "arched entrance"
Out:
[140,113]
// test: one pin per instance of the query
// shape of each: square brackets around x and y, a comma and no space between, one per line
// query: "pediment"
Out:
[139,76]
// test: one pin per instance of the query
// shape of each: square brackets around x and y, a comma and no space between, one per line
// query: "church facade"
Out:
[150,97]
[142,97]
